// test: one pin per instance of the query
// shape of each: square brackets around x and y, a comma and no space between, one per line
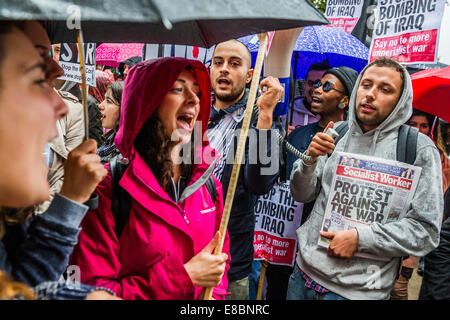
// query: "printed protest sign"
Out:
[344,14]
[277,217]
[69,60]
[366,190]
[152,51]
[407,30]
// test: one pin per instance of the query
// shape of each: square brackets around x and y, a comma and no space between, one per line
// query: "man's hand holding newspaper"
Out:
[343,243]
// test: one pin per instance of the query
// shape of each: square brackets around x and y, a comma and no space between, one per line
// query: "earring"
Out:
[341,106]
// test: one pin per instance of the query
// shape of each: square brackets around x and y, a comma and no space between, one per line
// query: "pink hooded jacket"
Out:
[147,262]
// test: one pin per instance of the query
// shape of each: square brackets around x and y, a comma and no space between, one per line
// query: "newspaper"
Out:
[367,190]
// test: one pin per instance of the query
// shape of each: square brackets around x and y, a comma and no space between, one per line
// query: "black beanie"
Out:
[346,75]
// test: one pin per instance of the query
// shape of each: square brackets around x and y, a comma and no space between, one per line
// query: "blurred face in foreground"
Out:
[180,108]
[29,109]
[38,36]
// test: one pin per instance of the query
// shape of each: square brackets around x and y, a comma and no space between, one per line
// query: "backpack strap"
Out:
[121,199]
[407,144]
[341,130]
[211,186]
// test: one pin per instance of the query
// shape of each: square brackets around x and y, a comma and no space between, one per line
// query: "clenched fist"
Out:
[82,172]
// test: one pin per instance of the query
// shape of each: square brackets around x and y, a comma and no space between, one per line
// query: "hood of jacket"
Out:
[399,115]
[145,88]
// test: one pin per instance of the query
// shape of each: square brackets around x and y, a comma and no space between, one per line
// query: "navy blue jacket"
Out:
[36,252]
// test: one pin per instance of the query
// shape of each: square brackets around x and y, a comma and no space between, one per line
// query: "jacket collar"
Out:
[138,179]
[217,114]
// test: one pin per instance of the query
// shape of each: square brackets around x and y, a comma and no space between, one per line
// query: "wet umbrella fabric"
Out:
[431,92]
[318,43]
[200,23]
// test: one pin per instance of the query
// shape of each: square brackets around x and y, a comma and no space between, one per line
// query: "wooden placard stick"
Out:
[262,276]
[240,149]
[83,83]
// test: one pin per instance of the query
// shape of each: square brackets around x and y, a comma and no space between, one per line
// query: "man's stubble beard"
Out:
[232,96]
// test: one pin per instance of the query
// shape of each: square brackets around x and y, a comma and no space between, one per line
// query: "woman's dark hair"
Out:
[116,90]
[429,117]
[154,145]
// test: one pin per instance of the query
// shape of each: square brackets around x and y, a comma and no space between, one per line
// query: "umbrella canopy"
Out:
[111,54]
[318,43]
[432,92]
[200,23]
[413,68]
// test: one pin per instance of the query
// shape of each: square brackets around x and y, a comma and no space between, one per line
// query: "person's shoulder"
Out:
[67,96]
[302,129]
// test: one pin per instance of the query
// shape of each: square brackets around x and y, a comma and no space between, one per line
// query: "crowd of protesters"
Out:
[134,209]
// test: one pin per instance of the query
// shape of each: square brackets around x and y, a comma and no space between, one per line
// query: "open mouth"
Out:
[186,121]
[315,100]
[222,82]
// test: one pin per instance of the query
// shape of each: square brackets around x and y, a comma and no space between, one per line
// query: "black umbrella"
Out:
[200,23]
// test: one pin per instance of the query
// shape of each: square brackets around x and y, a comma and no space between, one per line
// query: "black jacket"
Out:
[250,184]
[436,277]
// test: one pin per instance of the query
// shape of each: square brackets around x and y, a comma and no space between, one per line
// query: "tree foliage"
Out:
[319,4]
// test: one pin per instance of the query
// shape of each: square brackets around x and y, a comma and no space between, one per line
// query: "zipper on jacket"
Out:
[177,197]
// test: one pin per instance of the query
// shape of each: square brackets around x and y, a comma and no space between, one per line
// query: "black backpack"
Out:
[121,199]
[406,143]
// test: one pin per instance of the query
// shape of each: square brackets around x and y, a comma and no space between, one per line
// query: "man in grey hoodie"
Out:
[380,103]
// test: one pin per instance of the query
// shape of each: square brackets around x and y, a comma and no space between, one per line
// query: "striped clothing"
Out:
[310,283]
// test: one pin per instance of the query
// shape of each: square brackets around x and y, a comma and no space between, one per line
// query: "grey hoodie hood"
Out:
[399,115]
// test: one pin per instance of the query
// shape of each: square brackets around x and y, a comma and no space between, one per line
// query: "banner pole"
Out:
[240,149]
[262,277]
[83,83]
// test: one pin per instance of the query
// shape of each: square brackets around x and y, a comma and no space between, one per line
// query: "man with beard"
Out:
[230,73]
[379,105]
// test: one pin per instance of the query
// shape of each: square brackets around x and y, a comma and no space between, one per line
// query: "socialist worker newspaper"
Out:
[366,190]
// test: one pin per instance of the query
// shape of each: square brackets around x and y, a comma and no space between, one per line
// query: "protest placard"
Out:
[344,14]
[407,30]
[277,217]
[69,60]
[152,51]
[368,190]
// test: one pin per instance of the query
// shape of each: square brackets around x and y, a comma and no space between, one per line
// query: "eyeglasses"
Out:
[327,86]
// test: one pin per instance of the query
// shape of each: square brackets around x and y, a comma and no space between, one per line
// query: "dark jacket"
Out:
[250,184]
[38,250]
[436,276]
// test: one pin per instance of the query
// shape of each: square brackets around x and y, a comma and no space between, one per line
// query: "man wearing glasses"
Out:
[302,114]
[329,100]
